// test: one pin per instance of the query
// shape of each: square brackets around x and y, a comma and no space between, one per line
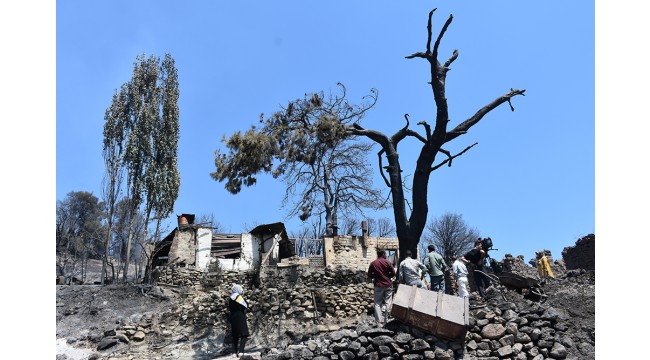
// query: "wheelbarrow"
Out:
[527,286]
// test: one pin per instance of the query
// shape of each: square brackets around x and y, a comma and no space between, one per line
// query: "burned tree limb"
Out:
[381,168]
[463,127]
[446,153]
[453,57]
[450,158]
[376,136]
[429,31]
[401,133]
[442,33]
[417,54]
[404,132]
[427,128]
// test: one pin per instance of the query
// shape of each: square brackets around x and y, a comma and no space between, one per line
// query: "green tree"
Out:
[144,120]
[78,232]
[451,236]
[325,172]
[116,130]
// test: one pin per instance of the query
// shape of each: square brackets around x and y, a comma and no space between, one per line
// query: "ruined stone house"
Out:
[195,245]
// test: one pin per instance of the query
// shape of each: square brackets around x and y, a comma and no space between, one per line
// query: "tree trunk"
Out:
[128,248]
[106,243]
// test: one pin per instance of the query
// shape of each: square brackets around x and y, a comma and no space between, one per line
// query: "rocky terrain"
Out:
[316,313]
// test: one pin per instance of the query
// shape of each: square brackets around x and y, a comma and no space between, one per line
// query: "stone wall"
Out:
[351,252]
[505,327]
[183,248]
[298,292]
[582,255]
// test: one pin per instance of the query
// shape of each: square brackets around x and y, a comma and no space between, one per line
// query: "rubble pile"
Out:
[506,326]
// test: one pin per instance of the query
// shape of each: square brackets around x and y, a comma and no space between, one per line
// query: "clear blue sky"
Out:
[529,184]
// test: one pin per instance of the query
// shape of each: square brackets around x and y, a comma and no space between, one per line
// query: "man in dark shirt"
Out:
[381,271]
[476,257]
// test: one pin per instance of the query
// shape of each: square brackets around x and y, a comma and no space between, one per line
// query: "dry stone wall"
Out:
[299,321]
[582,255]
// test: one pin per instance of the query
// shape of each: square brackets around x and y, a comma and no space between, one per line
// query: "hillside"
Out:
[184,322]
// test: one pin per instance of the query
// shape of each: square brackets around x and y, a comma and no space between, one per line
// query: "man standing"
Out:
[381,271]
[436,267]
[476,257]
[411,270]
[460,271]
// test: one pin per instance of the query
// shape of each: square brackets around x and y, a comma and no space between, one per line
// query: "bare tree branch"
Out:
[452,157]
[467,124]
[442,33]
[453,57]
[427,128]
[429,30]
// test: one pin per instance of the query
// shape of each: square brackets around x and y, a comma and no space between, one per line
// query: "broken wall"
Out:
[249,258]
[582,255]
[350,252]
[204,246]
[183,248]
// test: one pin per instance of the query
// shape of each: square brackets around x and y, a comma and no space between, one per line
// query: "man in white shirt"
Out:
[409,270]
[460,271]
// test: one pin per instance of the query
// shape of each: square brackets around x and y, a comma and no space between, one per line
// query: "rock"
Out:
[508,339]
[346,355]
[107,343]
[382,340]
[345,333]
[558,351]
[419,345]
[123,338]
[505,351]
[493,331]
[138,336]
[403,338]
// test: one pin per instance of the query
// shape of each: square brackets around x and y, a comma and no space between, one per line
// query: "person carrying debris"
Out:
[381,271]
[239,326]
[410,270]
[436,267]
[460,271]
[543,268]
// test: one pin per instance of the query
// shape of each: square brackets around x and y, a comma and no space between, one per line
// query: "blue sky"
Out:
[529,184]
